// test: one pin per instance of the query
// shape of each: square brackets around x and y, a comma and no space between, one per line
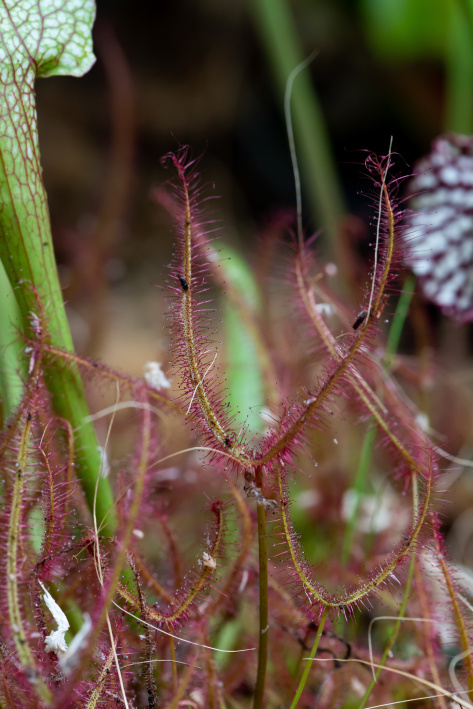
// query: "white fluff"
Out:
[104,462]
[56,641]
[208,561]
[155,376]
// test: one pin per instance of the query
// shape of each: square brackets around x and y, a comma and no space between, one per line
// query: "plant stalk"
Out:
[175,681]
[14,610]
[313,651]
[263,603]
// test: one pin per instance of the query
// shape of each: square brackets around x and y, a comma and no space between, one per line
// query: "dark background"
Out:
[198,73]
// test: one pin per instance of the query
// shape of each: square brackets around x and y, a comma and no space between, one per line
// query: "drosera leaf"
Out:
[42,38]
[24,652]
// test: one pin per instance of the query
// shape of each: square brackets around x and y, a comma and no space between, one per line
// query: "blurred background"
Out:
[212,75]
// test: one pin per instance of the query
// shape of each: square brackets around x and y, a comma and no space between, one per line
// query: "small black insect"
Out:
[29,417]
[183,283]
[360,319]
[228,442]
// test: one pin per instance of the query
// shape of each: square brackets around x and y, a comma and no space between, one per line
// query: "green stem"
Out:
[263,605]
[175,681]
[276,26]
[313,651]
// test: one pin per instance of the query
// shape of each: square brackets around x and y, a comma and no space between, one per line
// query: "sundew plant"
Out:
[197,558]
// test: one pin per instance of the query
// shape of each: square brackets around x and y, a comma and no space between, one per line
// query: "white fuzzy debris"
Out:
[35,322]
[55,642]
[155,376]
[423,421]
[69,660]
[324,308]
[357,686]
[104,462]
[244,580]
[208,561]
[261,501]
[267,504]
[139,534]
[197,697]
[331,269]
